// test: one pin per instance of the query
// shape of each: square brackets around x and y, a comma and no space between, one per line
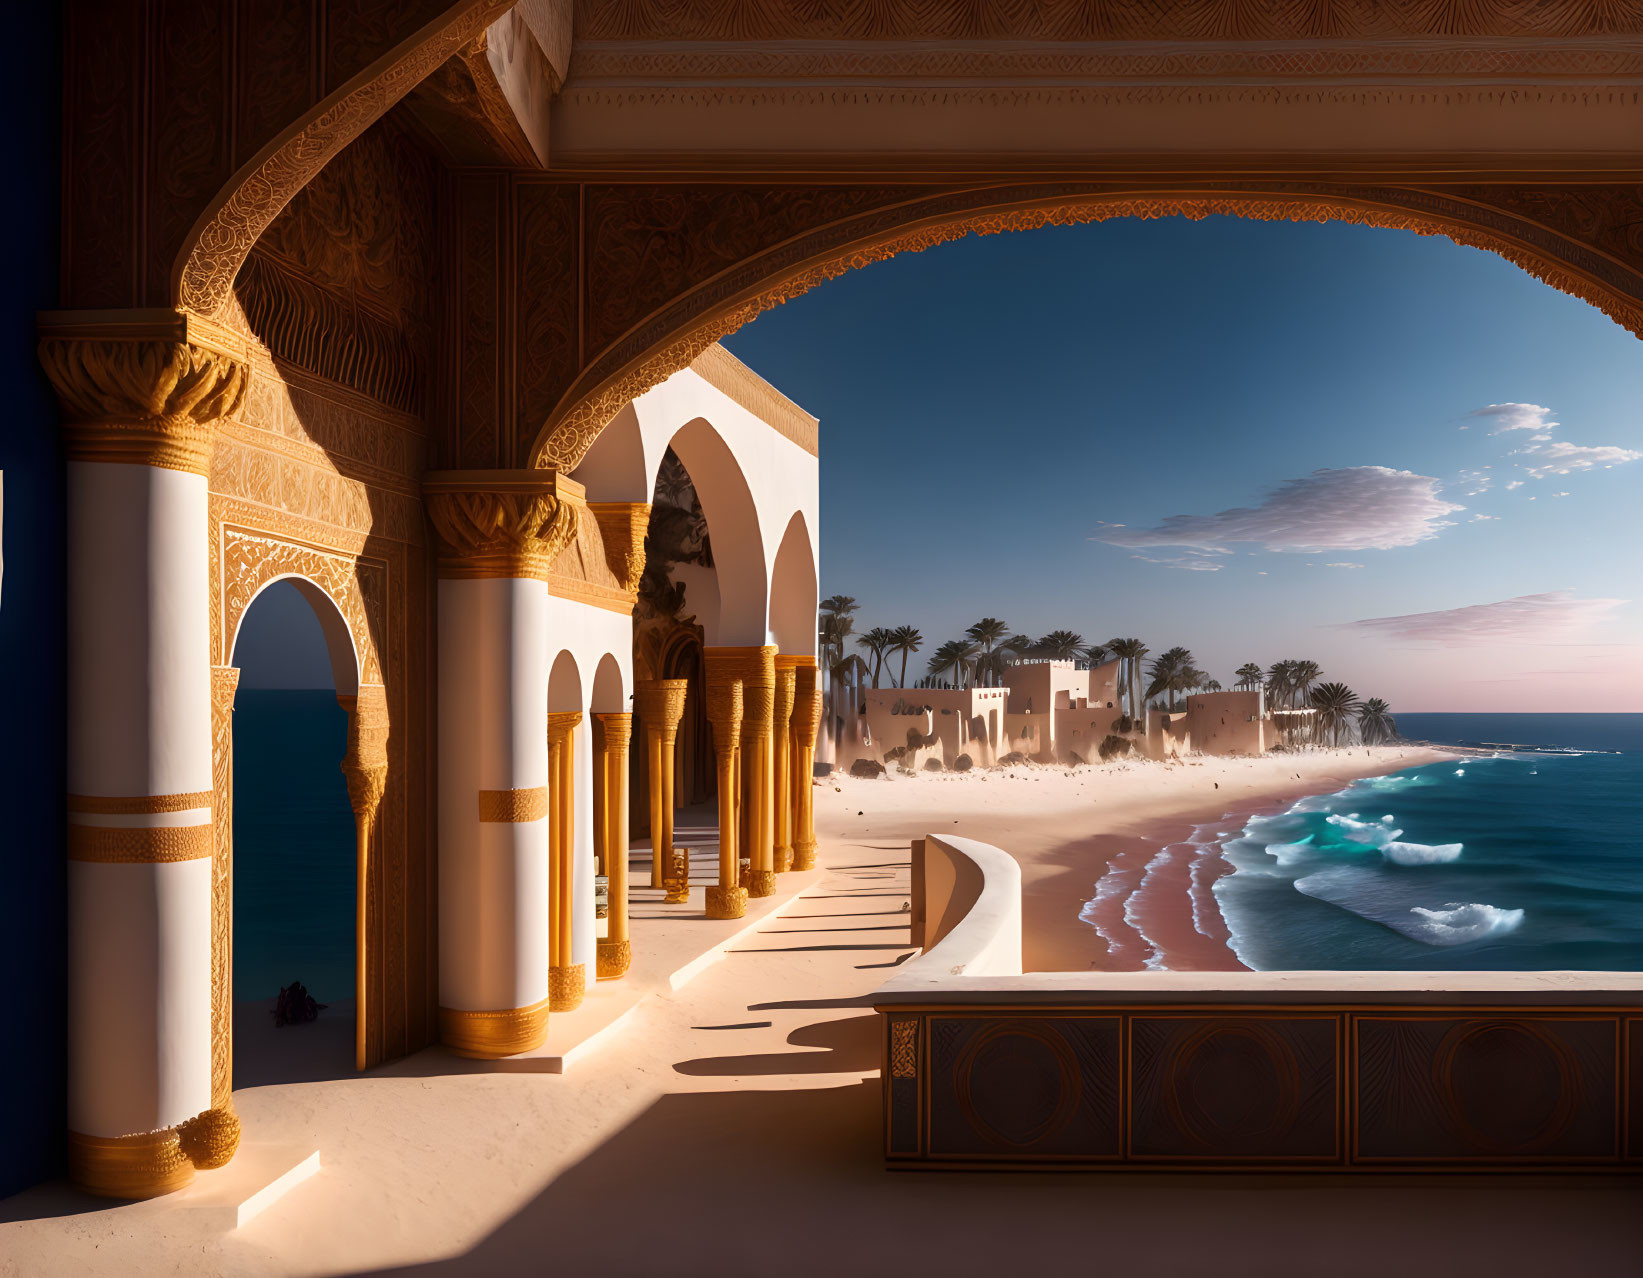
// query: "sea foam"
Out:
[1420,853]
[1371,896]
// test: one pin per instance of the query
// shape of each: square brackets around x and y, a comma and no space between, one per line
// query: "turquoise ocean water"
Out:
[1528,858]
[293,846]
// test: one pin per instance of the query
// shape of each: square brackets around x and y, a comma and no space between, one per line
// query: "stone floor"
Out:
[732,1127]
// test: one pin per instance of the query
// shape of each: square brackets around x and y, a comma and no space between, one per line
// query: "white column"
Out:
[138,414]
[500,530]
[493,789]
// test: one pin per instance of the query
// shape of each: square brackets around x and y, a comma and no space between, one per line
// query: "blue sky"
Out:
[992,408]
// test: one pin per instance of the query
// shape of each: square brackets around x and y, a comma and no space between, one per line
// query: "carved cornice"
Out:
[622,528]
[727,374]
[135,389]
[1084,20]
[502,523]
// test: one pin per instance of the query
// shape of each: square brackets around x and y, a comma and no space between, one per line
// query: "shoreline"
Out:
[1109,874]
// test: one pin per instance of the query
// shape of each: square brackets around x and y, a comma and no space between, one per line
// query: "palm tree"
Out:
[1335,704]
[953,655]
[1303,674]
[1097,653]
[1171,671]
[877,642]
[1279,682]
[1250,675]
[1375,722]
[1130,652]
[836,625]
[1210,685]
[1060,645]
[905,640]
[987,632]
[1019,647]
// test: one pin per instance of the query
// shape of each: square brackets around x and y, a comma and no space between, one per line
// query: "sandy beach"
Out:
[1115,837]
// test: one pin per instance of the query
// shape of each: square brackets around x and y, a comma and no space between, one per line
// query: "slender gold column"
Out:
[226,1136]
[756,668]
[728,898]
[807,717]
[781,770]
[660,705]
[567,981]
[365,769]
[612,734]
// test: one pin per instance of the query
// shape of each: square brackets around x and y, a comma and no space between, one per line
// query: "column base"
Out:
[804,856]
[783,857]
[726,902]
[677,881]
[488,1036]
[142,1166]
[614,958]
[567,986]
[761,883]
[210,1140]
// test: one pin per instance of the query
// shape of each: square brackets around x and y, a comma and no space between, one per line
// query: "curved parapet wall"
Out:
[986,1066]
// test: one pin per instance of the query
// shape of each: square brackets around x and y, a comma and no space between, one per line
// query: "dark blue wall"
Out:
[33,951]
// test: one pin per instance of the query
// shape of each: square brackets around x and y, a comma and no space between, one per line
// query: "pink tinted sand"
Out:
[1111,876]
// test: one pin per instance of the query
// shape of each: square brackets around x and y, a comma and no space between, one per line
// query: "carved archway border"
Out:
[357,586]
[669,340]
[216,246]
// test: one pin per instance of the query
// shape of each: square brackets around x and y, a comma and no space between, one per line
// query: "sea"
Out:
[1525,856]
[293,846]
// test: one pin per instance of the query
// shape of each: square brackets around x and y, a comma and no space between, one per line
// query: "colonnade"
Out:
[150,727]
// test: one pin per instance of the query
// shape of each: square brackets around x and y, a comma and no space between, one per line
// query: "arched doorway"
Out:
[295,959]
[793,591]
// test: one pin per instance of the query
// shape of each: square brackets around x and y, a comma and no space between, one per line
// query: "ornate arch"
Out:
[216,246]
[1585,241]
[251,560]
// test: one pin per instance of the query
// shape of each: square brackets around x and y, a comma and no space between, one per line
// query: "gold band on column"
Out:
[488,1035]
[566,981]
[513,807]
[142,1166]
[728,898]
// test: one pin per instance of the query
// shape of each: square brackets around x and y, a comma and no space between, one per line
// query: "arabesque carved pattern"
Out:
[357,586]
[224,681]
[223,235]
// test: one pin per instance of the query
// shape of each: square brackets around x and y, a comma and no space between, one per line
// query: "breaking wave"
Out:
[1373,897]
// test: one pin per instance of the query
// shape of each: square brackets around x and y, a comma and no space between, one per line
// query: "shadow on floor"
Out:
[848,1044]
[792,1183]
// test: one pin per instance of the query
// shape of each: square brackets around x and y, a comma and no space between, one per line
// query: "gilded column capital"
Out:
[139,388]
[660,704]
[784,698]
[560,723]
[616,727]
[365,761]
[502,523]
[755,667]
[622,529]
[807,705]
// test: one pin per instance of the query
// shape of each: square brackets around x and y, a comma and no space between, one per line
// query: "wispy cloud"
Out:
[1526,619]
[1506,417]
[1189,562]
[1560,457]
[1343,565]
[1355,508]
